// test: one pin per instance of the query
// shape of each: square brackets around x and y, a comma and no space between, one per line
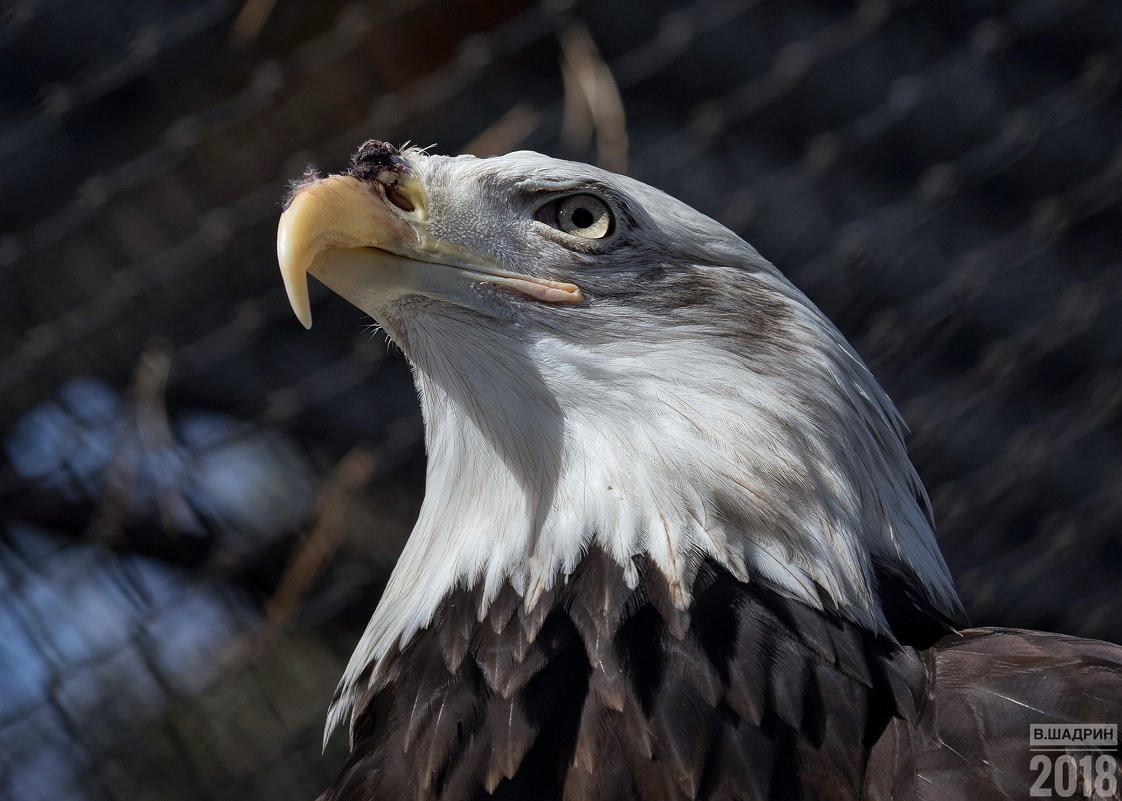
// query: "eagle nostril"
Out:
[398,198]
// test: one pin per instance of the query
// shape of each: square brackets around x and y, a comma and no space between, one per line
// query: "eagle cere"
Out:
[672,545]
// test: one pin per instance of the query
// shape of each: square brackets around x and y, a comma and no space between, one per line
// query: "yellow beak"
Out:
[335,212]
[344,232]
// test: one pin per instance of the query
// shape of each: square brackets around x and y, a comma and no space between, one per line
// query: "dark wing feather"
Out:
[788,682]
[602,692]
[890,770]
[426,693]
[684,727]
[989,686]
[455,629]
[746,692]
[743,768]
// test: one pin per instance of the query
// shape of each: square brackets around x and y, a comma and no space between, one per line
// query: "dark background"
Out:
[200,501]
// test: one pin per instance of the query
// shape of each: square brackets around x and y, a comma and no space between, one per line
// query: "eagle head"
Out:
[600,365]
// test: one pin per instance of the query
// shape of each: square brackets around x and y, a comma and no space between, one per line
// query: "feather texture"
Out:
[615,702]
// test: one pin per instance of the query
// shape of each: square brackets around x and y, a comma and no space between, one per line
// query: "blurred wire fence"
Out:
[201,502]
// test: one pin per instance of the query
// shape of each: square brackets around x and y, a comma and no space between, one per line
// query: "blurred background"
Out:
[201,502]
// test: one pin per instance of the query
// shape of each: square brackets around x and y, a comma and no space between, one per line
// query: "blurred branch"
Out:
[332,507]
[148,432]
[506,133]
[592,100]
[250,20]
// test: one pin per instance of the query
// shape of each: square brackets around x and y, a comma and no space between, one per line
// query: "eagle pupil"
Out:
[582,218]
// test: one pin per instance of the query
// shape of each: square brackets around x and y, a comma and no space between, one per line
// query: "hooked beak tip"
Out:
[294,271]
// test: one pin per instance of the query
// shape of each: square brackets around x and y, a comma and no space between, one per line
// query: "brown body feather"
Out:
[608,693]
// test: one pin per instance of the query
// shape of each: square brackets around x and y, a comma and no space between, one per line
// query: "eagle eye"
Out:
[586,216]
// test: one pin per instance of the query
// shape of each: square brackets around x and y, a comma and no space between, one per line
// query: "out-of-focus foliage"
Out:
[201,502]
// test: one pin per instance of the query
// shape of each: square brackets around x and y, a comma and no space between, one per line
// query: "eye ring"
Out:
[585,216]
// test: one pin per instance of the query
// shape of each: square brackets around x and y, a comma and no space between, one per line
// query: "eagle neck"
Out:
[671,452]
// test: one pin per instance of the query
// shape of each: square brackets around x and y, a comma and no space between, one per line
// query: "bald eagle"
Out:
[671,545]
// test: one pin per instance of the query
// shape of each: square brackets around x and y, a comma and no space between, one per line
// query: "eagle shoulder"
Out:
[989,685]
